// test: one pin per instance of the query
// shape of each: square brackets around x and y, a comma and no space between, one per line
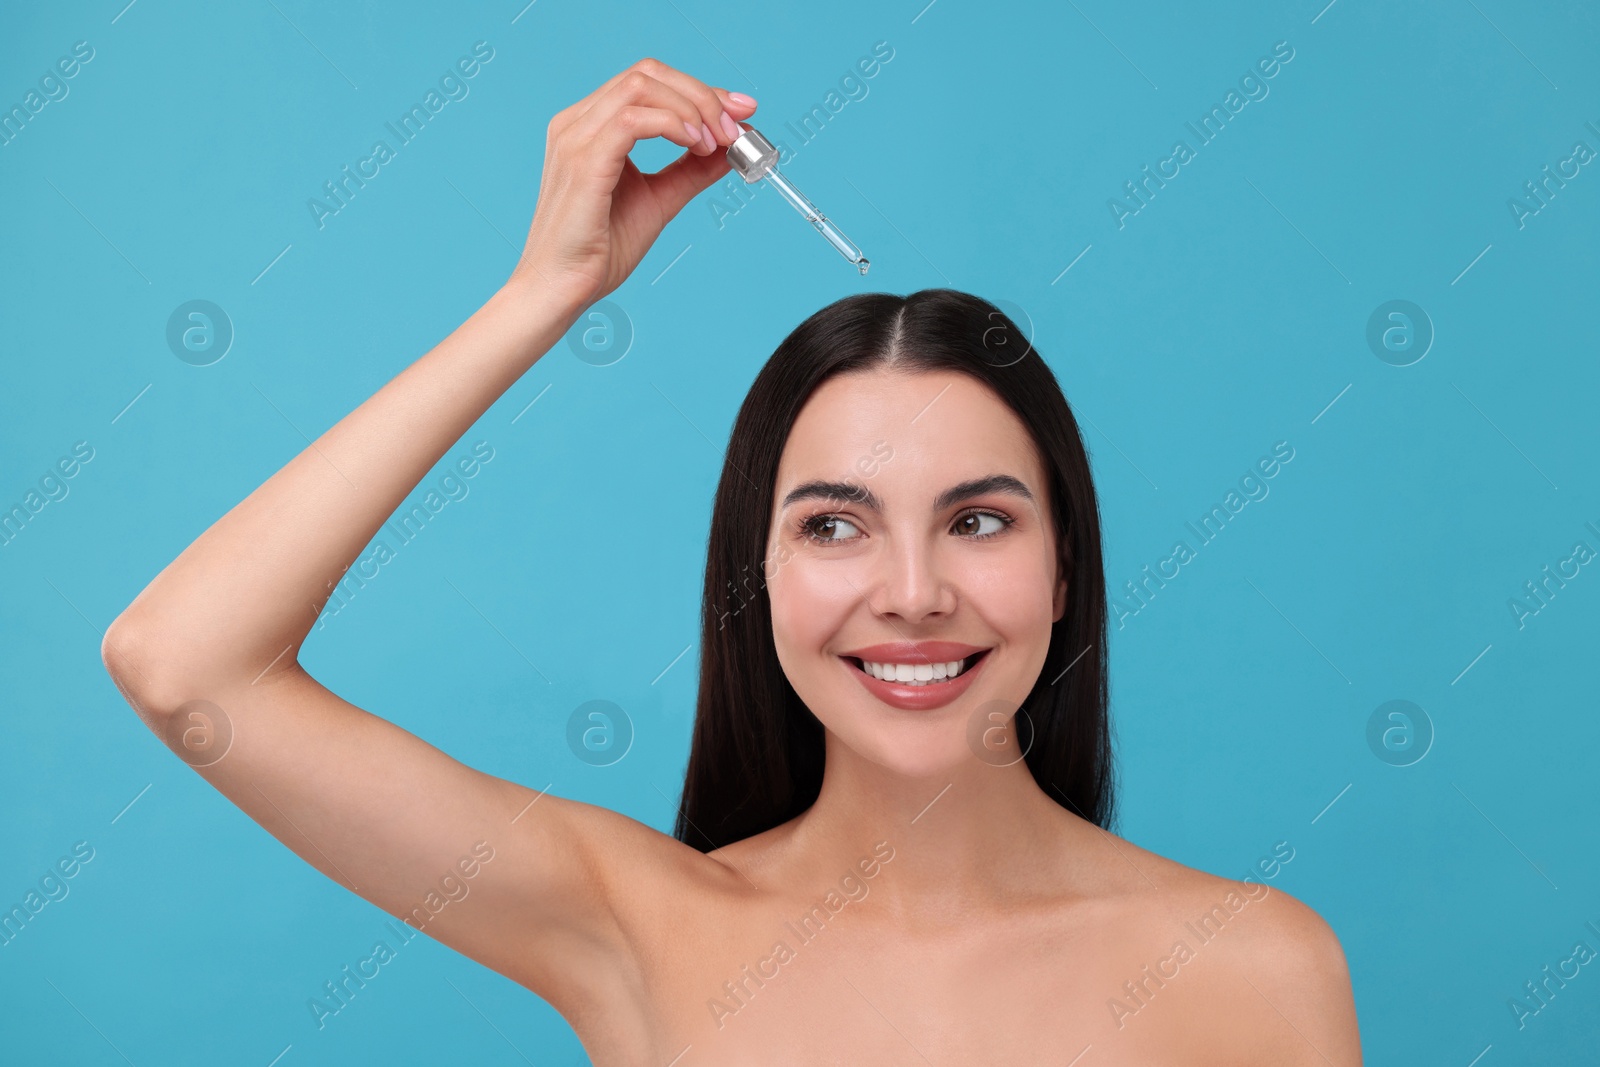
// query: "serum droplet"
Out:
[863,265]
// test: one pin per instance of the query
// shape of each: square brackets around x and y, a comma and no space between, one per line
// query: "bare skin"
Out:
[973,919]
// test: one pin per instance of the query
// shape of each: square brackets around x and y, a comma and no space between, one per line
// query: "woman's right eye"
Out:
[828,528]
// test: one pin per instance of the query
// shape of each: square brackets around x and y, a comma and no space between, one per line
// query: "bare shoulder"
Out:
[1289,939]
[1270,983]
[1281,975]
[1295,966]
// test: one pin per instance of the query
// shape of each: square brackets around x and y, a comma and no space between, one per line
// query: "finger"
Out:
[714,106]
[637,88]
[740,106]
[614,136]
[575,111]
[684,178]
[711,103]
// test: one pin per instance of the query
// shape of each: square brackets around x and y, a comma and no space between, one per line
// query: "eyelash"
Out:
[806,527]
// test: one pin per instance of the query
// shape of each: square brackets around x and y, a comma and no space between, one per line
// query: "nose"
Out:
[908,582]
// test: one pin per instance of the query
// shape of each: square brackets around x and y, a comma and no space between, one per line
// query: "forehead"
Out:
[938,425]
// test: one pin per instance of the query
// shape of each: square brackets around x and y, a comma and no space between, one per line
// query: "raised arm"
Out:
[207,654]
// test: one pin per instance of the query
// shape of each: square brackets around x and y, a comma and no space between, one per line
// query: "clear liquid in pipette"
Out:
[840,241]
[818,220]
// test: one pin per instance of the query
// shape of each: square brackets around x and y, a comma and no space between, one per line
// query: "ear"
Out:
[1060,600]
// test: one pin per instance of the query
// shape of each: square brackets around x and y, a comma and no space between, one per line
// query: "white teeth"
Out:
[914,673]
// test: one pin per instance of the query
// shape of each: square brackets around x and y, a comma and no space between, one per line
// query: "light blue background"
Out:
[1224,317]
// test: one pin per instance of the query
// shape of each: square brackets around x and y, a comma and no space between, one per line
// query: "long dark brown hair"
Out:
[756,757]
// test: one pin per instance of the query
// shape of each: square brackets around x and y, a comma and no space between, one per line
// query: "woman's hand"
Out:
[597,213]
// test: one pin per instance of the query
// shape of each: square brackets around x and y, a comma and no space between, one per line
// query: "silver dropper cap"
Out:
[752,155]
[755,158]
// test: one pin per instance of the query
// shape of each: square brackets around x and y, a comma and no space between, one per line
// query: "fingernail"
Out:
[705,135]
[730,127]
[741,99]
[693,130]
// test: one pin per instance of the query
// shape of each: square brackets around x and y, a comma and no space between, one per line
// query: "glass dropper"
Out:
[754,158]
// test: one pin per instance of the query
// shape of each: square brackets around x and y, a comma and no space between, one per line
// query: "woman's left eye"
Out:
[973,526]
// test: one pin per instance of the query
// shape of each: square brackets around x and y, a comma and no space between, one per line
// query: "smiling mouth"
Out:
[919,674]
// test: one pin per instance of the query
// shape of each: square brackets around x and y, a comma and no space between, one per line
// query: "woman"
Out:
[904,551]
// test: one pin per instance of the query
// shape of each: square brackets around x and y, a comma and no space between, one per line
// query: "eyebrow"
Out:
[860,494]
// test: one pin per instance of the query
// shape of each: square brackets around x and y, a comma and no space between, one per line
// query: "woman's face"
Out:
[911,530]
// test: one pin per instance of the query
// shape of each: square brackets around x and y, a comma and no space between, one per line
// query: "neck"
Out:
[973,836]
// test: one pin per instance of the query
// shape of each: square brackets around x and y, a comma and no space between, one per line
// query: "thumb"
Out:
[684,178]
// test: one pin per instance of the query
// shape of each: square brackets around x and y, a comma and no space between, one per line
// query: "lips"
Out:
[914,652]
[917,697]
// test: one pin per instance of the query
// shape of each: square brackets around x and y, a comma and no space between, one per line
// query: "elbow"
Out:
[165,699]
[168,687]
[131,658]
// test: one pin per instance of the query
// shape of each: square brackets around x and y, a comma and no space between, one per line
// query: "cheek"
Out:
[1013,593]
[811,600]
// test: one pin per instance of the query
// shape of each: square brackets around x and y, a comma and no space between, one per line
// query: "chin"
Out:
[925,746]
